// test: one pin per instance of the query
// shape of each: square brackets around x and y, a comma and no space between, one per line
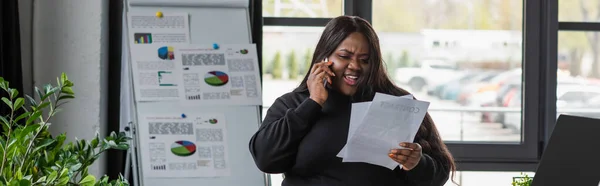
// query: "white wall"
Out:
[71,36]
[25,22]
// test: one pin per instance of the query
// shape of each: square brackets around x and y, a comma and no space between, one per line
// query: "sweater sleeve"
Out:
[275,144]
[429,172]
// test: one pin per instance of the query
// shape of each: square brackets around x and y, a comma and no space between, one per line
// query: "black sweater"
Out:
[301,139]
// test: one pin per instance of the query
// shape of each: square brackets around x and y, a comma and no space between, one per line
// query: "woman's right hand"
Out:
[318,73]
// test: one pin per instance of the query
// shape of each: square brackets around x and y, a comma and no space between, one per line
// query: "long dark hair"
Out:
[376,80]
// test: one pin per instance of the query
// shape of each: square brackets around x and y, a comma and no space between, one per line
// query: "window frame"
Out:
[540,28]
[579,26]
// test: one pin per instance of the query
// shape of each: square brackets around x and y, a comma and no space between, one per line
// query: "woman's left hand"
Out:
[409,157]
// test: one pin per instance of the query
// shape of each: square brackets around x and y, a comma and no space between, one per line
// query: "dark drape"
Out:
[10,48]
[115,158]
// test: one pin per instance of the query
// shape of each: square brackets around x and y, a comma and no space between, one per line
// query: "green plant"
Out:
[293,65]
[307,61]
[32,156]
[523,180]
[266,64]
[390,63]
[277,66]
[404,59]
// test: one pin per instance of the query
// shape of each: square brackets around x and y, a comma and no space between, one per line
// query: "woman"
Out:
[305,129]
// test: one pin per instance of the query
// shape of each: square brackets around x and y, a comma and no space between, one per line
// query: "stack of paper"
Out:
[381,125]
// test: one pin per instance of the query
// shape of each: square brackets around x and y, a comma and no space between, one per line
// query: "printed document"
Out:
[194,145]
[148,28]
[387,122]
[358,113]
[197,74]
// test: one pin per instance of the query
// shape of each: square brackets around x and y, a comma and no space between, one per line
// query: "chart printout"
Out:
[193,145]
[148,28]
[196,74]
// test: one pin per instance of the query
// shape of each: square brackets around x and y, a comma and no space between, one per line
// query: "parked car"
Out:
[569,96]
[439,90]
[591,108]
[456,91]
[427,72]
[485,92]
[505,92]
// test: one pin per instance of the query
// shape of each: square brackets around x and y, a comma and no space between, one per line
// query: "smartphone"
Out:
[325,80]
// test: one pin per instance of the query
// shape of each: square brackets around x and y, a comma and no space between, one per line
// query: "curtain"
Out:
[10,48]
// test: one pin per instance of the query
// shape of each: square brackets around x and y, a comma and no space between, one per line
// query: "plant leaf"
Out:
[8,102]
[33,117]
[24,115]
[4,121]
[63,180]
[89,180]
[39,93]
[43,105]
[31,100]
[44,144]
[66,97]
[42,179]
[67,90]
[94,141]
[63,77]
[48,94]
[18,175]
[25,182]
[19,103]
[122,146]
[48,88]
[68,83]
[51,177]
[28,129]
[14,93]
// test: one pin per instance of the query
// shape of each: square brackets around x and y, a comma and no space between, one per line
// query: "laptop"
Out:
[572,156]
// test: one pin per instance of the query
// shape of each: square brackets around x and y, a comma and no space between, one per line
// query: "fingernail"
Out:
[403,144]
[394,151]
[391,155]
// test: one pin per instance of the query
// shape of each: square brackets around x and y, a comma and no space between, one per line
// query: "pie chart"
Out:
[212,121]
[216,78]
[166,53]
[183,148]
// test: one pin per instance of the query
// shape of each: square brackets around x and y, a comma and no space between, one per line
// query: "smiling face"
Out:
[350,63]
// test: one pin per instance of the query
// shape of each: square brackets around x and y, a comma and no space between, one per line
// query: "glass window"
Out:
[578,86]
[463,56]
[463,178]
[304,8]
[579,10]
[287,52]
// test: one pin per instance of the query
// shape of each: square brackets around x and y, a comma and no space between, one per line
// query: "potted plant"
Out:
[30,155]
[523,180]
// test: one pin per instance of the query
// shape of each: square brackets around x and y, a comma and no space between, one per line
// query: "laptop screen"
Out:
[571,155]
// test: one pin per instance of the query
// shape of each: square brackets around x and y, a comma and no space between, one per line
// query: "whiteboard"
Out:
[220,22]
[241,126]
[211,25]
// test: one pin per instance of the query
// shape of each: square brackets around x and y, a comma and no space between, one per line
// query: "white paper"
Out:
[184,145]
[148,28]
[197,74]
[358,112]
[153,76]
[229,75]
[386,124]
